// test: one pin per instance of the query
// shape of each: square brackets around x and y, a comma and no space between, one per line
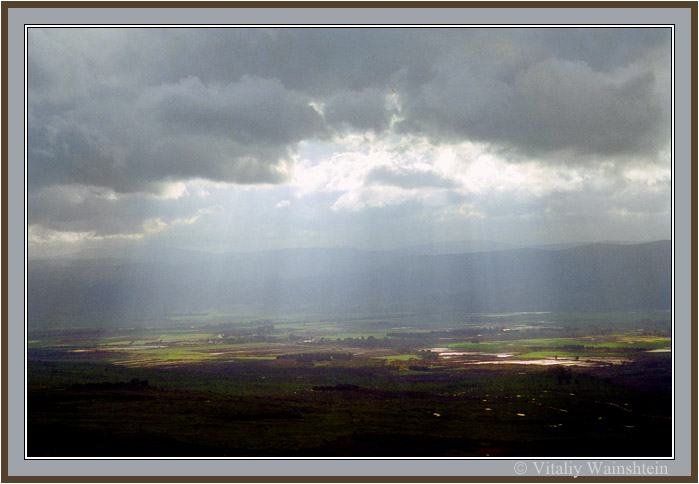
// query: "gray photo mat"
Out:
[17,465]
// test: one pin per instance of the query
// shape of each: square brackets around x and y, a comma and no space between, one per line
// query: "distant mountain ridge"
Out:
[174,254]
[454,247]
[337,282]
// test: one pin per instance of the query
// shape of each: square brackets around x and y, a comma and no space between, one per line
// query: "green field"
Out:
[363,387]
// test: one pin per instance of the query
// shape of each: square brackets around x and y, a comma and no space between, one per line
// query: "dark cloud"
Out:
[243,132]
[124,108]
[83,209]
[551,107]
[103,212]
[252,111]
[360,111]
[603,49]
[567,105]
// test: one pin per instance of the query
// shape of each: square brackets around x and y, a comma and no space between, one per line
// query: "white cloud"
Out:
[37,235]
[173,191]
[154,225]
[394,170]
[369,197]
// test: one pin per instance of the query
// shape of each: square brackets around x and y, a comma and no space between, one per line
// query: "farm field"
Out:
[519,384]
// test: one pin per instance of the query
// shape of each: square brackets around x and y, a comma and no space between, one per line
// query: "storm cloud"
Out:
[346,118]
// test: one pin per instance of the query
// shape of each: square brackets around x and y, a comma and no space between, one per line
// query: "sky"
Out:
[230,139]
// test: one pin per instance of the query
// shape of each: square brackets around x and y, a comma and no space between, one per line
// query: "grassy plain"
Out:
[525,384]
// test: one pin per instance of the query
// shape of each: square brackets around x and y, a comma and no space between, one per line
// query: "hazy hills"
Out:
[420,280]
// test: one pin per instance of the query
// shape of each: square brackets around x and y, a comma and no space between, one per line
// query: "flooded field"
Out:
[482,358]
[589,363]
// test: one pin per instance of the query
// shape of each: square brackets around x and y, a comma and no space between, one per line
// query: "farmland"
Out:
[515,384]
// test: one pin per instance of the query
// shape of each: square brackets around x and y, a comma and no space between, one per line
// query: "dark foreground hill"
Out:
[596,277]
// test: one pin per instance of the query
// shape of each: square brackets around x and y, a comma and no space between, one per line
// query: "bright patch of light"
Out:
[649,175]
[318,107]
[466,169]
[41,236]
[356,200]
[173,191]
